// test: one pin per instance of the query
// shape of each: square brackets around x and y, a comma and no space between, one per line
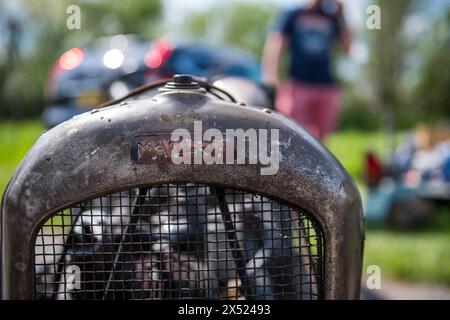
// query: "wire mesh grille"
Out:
[177,242]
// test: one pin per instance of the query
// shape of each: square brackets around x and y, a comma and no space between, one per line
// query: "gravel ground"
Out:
[395,290]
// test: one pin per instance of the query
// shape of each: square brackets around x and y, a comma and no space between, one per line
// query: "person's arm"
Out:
[273,48]
[345,38]
[272,53]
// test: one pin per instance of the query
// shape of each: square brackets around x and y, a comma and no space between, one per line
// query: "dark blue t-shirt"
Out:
[311,35]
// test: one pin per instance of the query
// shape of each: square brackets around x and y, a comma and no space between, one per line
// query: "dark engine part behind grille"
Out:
[176,242]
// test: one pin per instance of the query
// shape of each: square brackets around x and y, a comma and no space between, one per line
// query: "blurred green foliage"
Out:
[15,141]
[408,74]
[243,24]
[350,147]
[413,256]
[431,98]
[388,51]
[357,113]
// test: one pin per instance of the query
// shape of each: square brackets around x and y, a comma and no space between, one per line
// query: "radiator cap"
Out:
[182,82]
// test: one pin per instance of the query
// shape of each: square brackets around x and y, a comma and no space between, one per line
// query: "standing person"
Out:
[310,95]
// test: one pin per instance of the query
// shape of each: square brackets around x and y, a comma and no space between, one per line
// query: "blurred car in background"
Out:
[406,191]
[112,66]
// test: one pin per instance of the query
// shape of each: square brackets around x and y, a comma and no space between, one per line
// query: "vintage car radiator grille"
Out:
[177,242]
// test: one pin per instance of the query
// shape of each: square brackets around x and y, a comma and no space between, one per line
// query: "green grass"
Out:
[411,256]
[16,138]
[350,146]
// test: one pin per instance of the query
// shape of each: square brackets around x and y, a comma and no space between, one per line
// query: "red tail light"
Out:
[71,59]
[374,169]
[158,53]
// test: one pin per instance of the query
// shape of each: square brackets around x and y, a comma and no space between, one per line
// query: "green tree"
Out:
[431,96]
[389,48]
[242,24]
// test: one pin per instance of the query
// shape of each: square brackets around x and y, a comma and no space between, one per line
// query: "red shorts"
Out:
[315,107]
